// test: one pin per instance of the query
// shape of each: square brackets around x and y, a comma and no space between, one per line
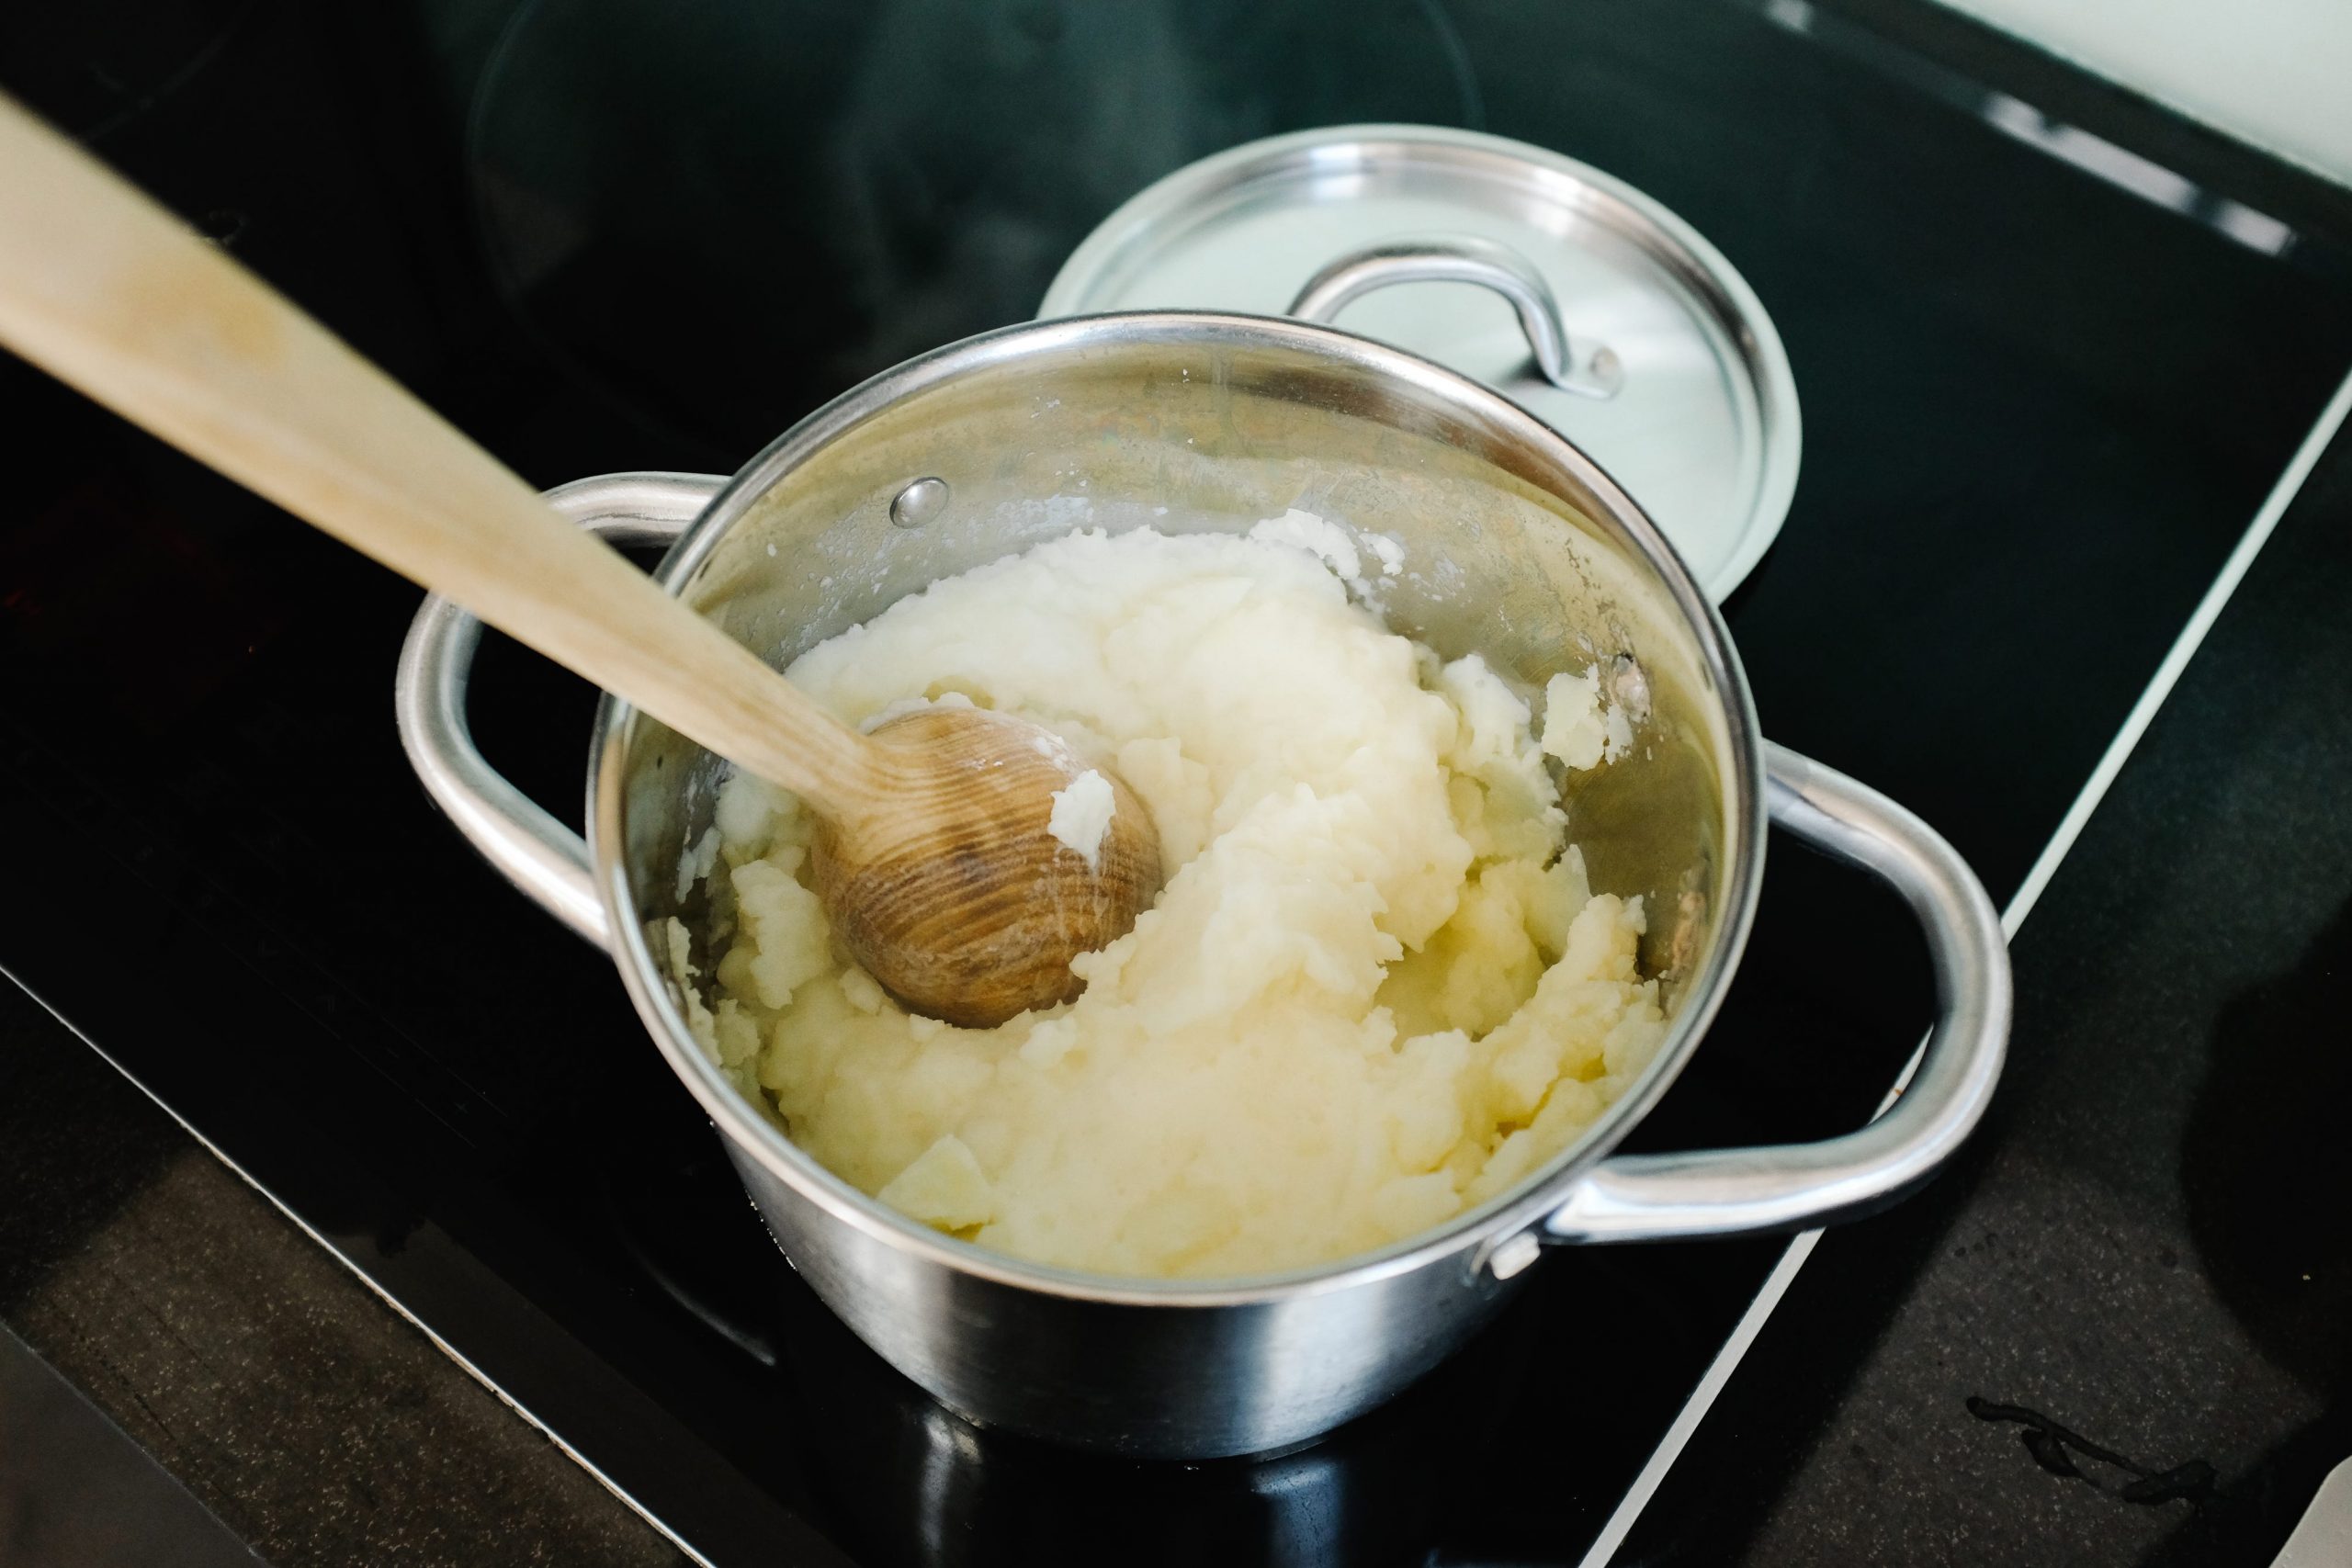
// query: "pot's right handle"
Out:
[538,853]
[1720,1191]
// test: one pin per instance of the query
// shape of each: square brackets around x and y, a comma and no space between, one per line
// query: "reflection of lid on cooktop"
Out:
[1674,379]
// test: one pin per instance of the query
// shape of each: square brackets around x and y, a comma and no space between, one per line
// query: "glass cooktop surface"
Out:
[601,237]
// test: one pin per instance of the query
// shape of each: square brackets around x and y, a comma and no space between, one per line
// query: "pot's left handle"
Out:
[538,853]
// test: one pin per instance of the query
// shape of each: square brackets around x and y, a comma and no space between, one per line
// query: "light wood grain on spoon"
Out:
[113,295]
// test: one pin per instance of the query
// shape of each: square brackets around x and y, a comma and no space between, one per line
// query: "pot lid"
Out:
[1570,292]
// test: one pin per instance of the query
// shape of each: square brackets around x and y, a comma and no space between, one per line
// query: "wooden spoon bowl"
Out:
[939,866]
[957,898]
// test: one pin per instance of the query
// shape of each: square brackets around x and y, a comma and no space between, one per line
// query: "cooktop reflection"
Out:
[601,239]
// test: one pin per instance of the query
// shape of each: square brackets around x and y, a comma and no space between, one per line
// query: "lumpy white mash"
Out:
[1375,990]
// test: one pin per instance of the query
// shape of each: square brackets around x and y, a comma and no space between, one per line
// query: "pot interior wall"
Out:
[1512,549]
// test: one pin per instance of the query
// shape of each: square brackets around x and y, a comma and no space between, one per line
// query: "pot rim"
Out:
[1477,1229]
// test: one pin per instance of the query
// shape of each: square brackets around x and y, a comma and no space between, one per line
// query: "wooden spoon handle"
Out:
[109,293]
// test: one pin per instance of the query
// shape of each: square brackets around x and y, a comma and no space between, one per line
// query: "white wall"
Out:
[2274,72]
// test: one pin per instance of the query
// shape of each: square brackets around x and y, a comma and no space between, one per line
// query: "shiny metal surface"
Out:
[1589,369]
[538,853]
[1704,432]
[1728,1192]
[1515,544]
[919,504]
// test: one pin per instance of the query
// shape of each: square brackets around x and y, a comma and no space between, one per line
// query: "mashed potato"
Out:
[1376,989]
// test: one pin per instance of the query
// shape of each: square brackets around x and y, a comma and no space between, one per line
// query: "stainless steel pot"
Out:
[1517,545]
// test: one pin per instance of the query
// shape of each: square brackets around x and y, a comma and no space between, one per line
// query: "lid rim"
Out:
[1703,278]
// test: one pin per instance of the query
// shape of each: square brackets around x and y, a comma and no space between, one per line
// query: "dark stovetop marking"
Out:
[2012,469]
[2053,1447]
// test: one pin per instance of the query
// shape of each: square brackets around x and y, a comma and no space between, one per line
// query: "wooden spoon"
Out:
[936,862]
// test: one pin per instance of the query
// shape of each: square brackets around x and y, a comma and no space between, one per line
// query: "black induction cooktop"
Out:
[2055,354]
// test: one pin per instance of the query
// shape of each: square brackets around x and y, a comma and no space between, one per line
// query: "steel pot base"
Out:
[1520,549]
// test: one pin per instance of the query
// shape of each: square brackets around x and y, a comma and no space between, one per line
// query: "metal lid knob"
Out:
[1587,370]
